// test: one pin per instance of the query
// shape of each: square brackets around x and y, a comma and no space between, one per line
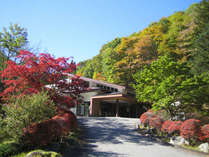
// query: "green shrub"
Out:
[38,153]
[3,132]
[24,111]
[9,148]
[23,154]
[41,153]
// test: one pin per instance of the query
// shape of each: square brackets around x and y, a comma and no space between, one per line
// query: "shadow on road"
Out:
[113,131]
[88,151]
[107,130]
[113,137]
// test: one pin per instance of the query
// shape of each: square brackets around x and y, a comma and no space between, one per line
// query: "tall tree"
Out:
[12,40]
[143,52]
[168,84]
[199,60]
[202,16]
[109,58]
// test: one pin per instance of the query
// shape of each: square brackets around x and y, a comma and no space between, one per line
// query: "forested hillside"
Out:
[166,62]
[122,57]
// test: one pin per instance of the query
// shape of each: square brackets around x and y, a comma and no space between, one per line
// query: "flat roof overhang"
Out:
[95,107]
[119,97]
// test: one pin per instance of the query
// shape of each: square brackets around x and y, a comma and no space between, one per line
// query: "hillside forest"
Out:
[166,63]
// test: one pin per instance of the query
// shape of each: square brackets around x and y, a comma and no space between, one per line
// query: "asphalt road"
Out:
[117,137]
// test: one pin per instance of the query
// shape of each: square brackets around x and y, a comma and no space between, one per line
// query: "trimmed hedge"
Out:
[204,133]
[40,134]
[166,125]
[175,127]
[189,129]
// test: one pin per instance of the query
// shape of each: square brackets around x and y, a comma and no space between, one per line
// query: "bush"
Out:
[166,125]
[190,128]
[145,117]
[3,133]
[41,153]
[155,122]
[9,148]
[22,154]
[204,133]
[162,114]
[67,121]
[40,134]
[26,110]
[175,127]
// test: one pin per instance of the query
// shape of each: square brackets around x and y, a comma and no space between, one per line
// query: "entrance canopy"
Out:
[114,99]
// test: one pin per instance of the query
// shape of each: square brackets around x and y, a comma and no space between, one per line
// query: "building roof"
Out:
[102,83]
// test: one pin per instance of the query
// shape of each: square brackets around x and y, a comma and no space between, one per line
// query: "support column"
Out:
[117,108]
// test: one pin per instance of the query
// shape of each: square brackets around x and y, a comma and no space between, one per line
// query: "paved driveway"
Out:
[113,137]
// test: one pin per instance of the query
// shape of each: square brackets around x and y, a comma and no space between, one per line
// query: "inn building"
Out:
[106,99]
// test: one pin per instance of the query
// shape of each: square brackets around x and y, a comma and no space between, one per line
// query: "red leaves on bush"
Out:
[43,133]
[155,122]
[171,126]
[67,122]
[174,127]
[149,118]
[166,125]
[190,128]
[40,134]
[204,132]
[145,117]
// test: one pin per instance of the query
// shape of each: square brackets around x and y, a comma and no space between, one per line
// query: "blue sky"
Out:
[79,28]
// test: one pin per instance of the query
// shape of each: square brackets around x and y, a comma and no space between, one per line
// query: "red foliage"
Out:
[43,133]
[155,122]
[190,128]
[149,118]
[166,125]
[67,121]
[175,126]
[37,72]
[145,117]
[204,132]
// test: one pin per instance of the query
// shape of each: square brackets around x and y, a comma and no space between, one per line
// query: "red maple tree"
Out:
[42,72]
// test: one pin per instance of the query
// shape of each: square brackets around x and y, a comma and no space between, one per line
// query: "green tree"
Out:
[199,59]
[109,58]
[12,40]
[168,84]
[157,83]
[202,14]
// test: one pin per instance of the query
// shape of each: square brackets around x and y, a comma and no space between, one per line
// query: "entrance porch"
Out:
[118,105]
